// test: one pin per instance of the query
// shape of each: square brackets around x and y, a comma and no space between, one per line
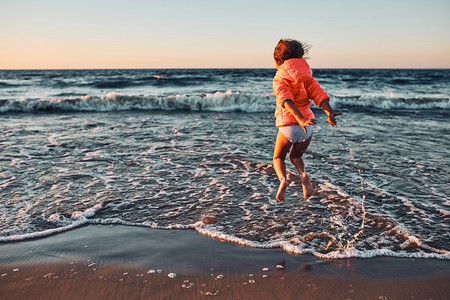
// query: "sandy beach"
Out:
[121,262]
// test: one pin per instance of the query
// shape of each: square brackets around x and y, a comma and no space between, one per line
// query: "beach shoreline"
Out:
[117,262]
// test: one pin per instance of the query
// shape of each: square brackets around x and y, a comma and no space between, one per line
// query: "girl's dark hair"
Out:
[288,48]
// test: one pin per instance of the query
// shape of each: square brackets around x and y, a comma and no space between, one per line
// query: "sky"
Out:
[93,34]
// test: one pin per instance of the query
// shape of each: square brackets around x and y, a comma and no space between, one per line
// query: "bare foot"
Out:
[281,195]
[307,186]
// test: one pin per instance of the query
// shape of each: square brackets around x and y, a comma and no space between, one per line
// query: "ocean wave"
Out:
[216,102]
[78,218]
[112,84]
[121,82]
[212,232]
[7,85]
[219,101]
[392,102]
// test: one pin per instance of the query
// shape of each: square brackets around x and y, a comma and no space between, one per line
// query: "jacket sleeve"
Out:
[282,91]
[315,91]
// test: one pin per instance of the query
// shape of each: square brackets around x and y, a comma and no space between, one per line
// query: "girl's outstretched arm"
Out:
[325,105]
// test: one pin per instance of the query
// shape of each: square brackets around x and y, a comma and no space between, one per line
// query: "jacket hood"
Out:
[295,69]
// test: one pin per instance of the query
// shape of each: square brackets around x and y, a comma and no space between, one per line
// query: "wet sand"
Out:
[121,262]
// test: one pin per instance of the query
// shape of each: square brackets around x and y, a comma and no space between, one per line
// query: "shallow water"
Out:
[382,170]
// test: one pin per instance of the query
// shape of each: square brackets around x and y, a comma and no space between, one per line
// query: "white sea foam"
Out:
[336,254]
[219,101]
[170,170]
[350,253]
[392,102]
[44,233]
[296,248]
[78,219]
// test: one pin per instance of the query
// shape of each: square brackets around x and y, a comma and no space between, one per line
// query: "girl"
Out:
[294,86]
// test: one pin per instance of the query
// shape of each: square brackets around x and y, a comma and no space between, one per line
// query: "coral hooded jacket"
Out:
[294,81]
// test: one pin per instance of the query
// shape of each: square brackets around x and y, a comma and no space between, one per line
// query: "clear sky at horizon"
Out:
[52,34]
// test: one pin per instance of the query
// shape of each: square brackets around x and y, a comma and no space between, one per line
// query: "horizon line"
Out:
[226,68]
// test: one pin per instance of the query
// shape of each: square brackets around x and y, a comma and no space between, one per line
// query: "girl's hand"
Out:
[330,112]
[303,122]
[331,117]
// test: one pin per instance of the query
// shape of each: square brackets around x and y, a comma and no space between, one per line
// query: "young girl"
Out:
[294,86]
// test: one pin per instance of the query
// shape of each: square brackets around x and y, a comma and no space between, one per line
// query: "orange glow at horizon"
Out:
[51,34]
[106,57]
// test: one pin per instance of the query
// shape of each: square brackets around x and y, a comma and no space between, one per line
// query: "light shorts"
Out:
[296,134]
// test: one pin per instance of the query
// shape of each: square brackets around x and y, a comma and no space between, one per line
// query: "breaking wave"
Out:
[219,101]
[223,102]
[392,102]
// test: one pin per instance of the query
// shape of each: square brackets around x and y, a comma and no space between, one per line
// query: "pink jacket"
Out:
[294,81]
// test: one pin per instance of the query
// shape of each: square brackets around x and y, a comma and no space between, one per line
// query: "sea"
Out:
[191,149]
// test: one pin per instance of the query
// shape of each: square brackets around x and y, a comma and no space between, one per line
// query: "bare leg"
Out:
[295,156]
[282,147]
